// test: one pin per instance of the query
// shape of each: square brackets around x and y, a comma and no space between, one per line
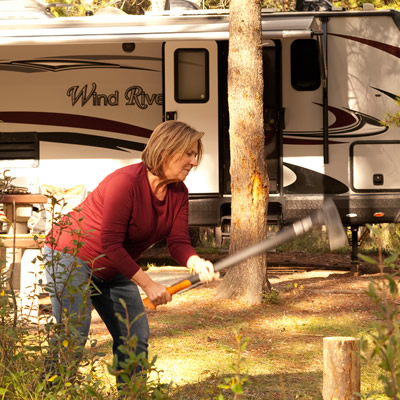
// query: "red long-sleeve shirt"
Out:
[122,218]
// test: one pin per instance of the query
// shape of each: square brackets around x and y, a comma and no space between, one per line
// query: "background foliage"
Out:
[81,7]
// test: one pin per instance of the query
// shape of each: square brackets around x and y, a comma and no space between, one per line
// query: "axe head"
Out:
[331,219]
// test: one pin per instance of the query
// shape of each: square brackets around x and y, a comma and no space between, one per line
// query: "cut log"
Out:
[341,368]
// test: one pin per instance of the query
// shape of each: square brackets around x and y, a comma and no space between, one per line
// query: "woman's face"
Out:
[179,165]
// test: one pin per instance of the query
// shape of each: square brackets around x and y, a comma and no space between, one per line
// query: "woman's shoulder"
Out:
[124,177]
[137,169]
[129,172]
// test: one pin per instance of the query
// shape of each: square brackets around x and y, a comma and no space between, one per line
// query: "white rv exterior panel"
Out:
[95,92]
[92,103]
[202,116]
[370,159]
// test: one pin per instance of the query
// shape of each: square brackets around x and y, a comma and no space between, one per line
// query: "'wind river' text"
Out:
[134,96]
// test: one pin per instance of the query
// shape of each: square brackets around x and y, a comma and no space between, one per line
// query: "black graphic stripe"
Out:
[48,66]
[90,140]
[103,57]
[391,95]
[312,182]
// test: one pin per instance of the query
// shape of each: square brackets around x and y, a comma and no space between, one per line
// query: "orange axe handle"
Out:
[177,287]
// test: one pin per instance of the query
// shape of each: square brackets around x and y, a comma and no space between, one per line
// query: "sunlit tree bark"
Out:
[248,166]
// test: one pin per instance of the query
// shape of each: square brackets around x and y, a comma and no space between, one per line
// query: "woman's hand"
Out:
[202,267]
[155,292]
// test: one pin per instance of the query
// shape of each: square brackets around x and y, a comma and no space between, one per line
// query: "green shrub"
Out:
[44,360]
[383,341]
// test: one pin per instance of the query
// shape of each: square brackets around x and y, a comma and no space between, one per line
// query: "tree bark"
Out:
[248,165]
[341,368]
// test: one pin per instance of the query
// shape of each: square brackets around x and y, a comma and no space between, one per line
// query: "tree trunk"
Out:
[341,368]
[248,166]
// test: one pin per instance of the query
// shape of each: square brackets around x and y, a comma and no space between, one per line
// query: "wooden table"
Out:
[23,198]
[19,202]
[19,249]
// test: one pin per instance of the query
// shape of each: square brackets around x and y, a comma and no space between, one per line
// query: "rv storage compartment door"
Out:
[375,166]
[191,96]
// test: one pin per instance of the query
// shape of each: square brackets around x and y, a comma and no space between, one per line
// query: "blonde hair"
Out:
[167,139]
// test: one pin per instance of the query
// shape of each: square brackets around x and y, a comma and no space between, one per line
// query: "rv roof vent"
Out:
[368,7]
[109,11]
[316,5]
[177,6]
[24,9]
[181,5]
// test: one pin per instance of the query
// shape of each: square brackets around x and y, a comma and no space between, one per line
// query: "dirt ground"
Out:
[323,281]
[312,288]
[319,296]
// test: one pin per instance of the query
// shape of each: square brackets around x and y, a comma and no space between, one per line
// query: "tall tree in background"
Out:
[81,7]
[250,186]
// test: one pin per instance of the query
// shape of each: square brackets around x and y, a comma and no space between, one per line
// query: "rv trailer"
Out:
[81,96]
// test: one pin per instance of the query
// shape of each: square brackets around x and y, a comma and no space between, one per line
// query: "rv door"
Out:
[191,95]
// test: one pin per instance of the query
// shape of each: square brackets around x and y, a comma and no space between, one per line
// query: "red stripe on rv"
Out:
[342,117]
[388,48]
[73,121]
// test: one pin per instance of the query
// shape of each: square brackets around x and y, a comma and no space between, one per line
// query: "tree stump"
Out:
[341,368]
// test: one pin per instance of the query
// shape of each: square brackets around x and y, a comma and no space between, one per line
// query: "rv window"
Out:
[191,76]
[19,149]
[305,69]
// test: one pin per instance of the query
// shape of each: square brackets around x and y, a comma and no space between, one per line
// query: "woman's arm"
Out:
[180,247]
[178,240]
[117,201]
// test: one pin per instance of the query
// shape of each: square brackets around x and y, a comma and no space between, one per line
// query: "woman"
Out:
[130,210]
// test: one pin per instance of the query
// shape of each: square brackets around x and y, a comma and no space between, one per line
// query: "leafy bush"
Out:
[237,381]
[44,360]
[383,342]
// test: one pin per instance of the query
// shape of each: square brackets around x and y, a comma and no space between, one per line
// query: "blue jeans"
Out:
[106,302]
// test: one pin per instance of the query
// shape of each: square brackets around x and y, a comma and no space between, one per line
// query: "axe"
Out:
[327,215]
